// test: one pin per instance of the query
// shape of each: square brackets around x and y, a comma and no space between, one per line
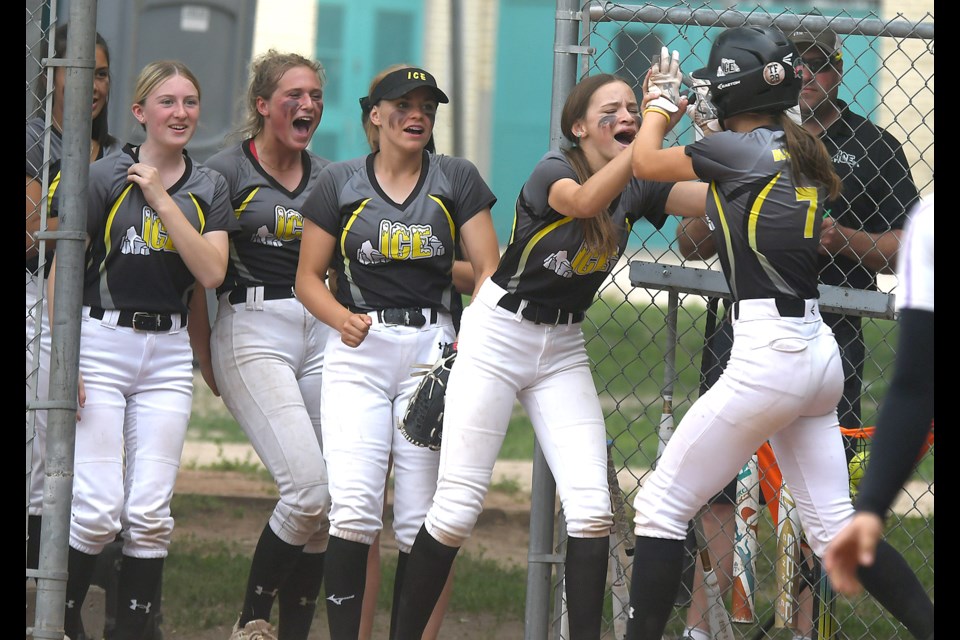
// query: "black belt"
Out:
[403,316]
[139,320]
[270,292]
[787,307]
[539,313]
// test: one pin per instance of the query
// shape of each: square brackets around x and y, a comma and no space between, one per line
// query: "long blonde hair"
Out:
[599,233]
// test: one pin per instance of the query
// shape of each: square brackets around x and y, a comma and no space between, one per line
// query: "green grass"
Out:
[204,579]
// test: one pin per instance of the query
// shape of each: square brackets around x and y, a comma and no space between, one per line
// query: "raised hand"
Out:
[665,75]
[702,111]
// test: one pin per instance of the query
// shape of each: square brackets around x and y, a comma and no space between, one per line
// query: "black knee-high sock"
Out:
[423,580]
[345,578]
[137,590]
[657,565]
[272,562]
[402,559]
[79,573]
[33,542]
[895,586]
[585,575]
[298,596]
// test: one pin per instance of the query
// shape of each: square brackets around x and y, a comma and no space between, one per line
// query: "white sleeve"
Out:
[915,262]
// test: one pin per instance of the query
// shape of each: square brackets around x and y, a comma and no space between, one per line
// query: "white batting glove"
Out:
[666,77]
[702,112]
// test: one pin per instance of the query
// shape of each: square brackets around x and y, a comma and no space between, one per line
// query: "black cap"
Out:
[827,41]
[401,82]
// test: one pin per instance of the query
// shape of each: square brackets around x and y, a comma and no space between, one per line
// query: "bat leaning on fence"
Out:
[717,616]
[746,544]
[789,560]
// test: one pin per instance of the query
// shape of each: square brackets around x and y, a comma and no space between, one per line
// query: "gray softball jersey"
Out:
[766,225]
[266,249]
[132,264]
[546,261]
[396,254]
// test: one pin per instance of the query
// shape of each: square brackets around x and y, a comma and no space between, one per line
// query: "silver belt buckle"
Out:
[144,321]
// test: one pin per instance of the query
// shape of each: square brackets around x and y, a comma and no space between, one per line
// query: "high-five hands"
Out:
[665,78]
[702,111]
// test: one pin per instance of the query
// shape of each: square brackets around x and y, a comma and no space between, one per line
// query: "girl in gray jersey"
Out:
[522,340]
[157,223]
[768,181]
[266,357]
[389,224]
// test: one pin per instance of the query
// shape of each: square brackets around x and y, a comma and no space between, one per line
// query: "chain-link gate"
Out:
[646,332]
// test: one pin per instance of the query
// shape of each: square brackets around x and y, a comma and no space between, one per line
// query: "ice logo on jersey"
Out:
[287,227]
[400,241]
[133,244]
[727,65]
[368,255]
[153,238]
[558,263]
[583,264]
[264,237]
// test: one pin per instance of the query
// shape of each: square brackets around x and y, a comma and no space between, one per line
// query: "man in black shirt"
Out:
[861,233]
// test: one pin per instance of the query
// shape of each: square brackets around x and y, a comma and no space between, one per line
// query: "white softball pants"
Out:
[365,393]
[130,434]
[782,384]
[37,471]
[268,362]
[503,357]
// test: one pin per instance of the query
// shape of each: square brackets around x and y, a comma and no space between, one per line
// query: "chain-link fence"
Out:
[646,332]
[60,78]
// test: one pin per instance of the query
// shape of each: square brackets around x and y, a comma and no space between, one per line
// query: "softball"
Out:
[857,466]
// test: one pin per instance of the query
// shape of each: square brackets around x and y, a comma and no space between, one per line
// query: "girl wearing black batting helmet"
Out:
[768,181]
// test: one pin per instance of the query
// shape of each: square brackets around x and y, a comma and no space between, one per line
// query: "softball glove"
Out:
[422,422]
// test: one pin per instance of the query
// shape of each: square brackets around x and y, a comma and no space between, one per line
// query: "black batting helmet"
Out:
[752,69]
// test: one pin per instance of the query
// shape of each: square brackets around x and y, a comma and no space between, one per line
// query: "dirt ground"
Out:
[502,534]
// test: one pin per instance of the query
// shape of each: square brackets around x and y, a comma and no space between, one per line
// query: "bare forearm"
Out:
[878,252]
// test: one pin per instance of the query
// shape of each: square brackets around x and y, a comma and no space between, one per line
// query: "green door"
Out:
[355,40]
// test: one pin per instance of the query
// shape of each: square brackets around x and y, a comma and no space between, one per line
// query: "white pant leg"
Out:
[778,371]
[37,468]
[365,391]
[139,389]
[497,356]
[566,415]
[415,468]
[158,414]
[268,364]
[810,454]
